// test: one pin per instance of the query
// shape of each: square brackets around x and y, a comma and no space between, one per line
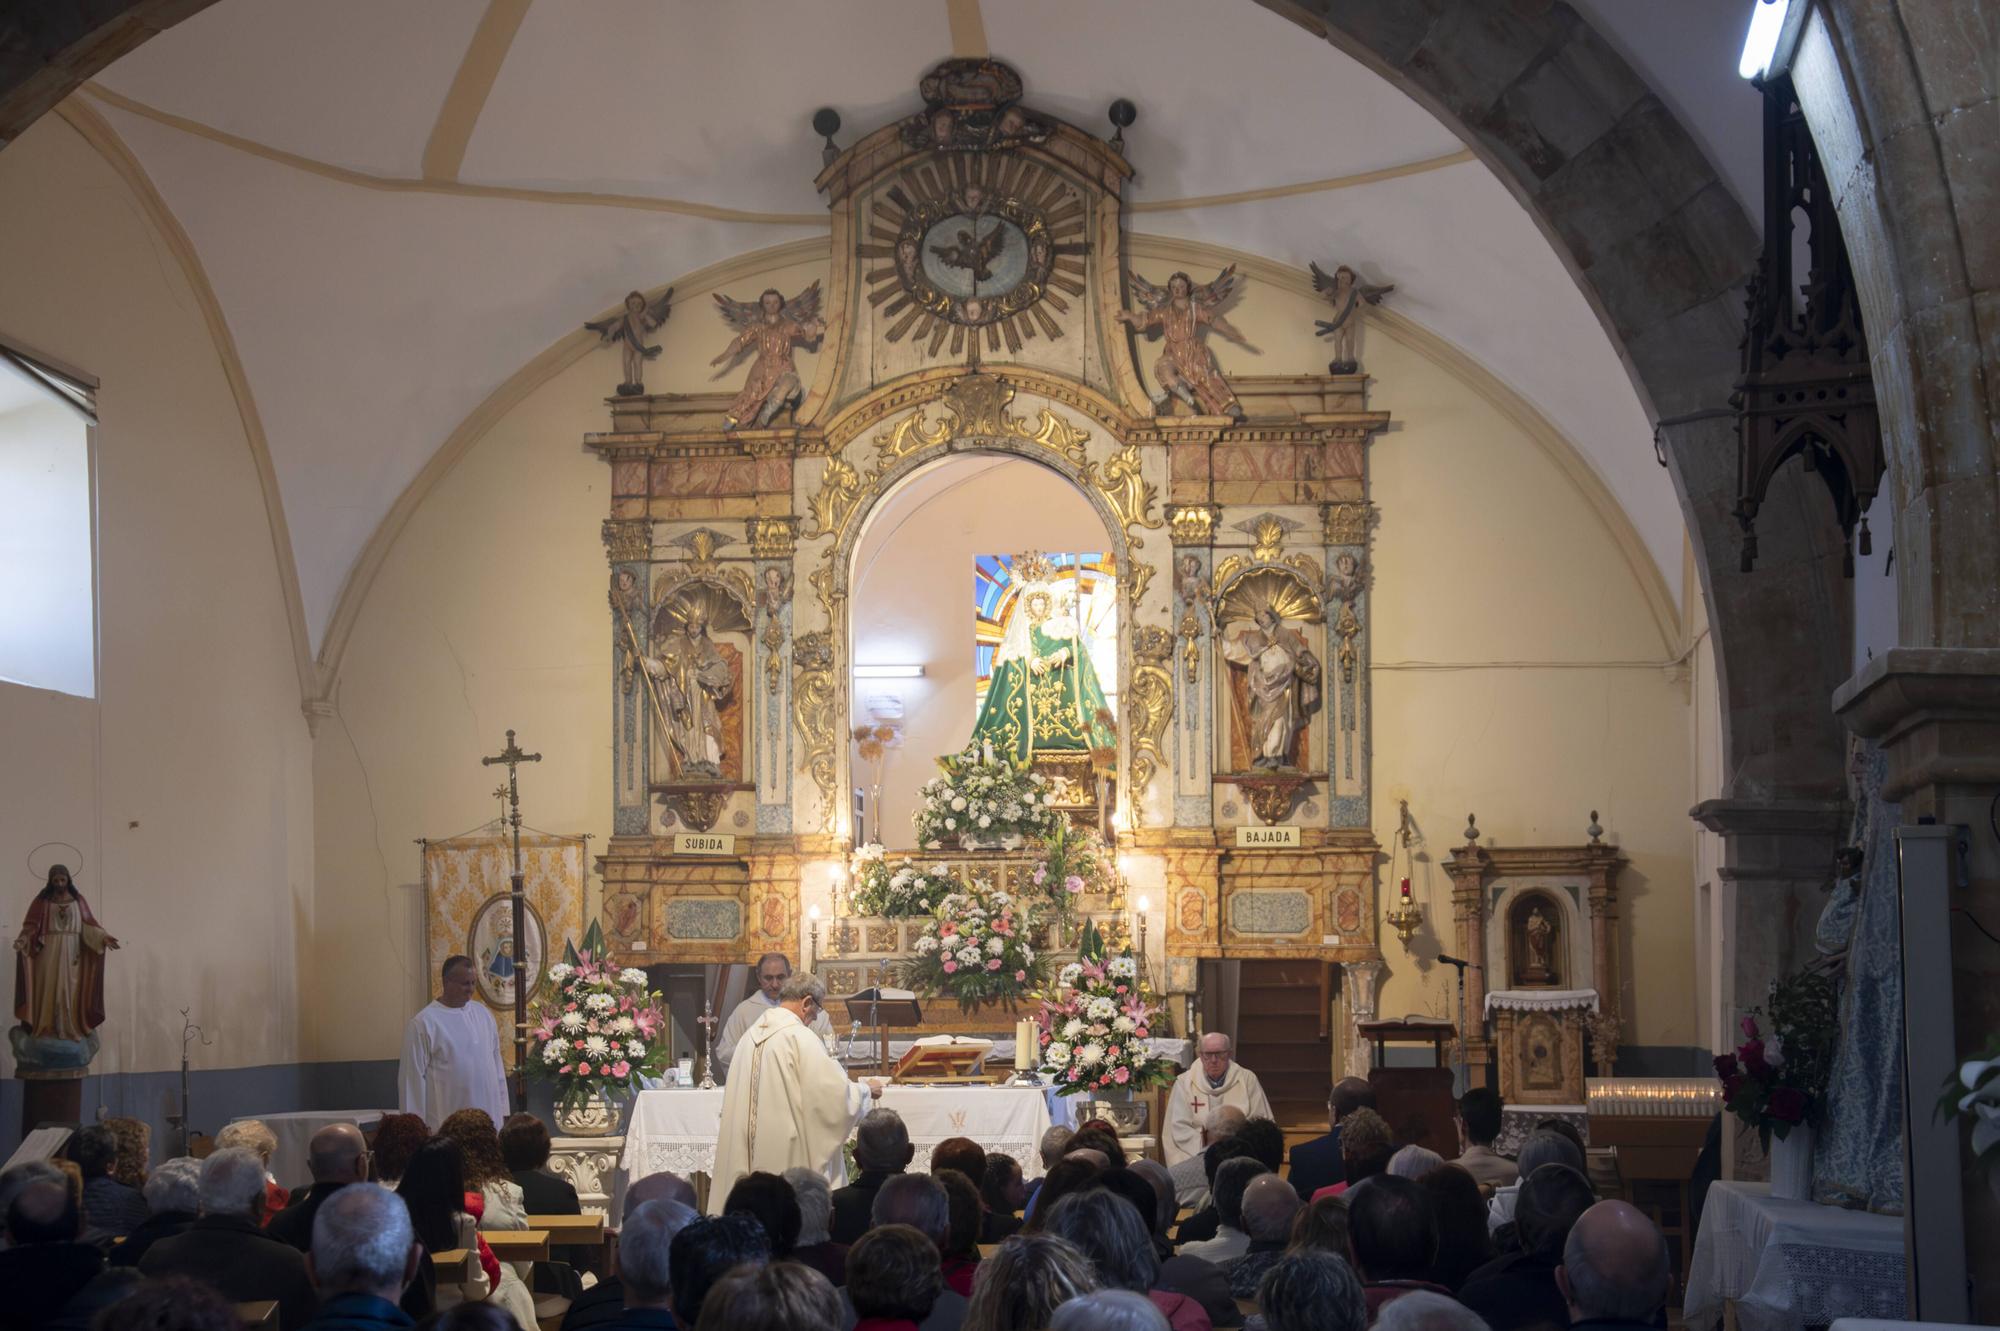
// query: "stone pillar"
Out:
[1777,854]
[1937,713]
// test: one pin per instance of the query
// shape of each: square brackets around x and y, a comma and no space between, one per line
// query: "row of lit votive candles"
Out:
[1654,1097]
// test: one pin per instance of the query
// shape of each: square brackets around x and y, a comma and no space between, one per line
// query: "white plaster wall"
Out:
[187,781]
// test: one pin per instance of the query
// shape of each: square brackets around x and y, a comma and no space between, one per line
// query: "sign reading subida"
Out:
[707,843]
[1265,838]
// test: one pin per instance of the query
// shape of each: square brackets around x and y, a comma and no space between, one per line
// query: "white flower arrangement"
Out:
[905,890]
[1095,1031]
[561,971]
[571,1021]
[980,790]
[1090,1055]
[1056,1055]
[624,1026]
[632,976]
[596,1046]
[600,1003]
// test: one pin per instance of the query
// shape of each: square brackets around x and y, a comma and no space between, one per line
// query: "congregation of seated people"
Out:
[1343,1233]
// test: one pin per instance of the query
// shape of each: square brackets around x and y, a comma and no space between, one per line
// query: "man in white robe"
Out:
[790,1104]
[451,1054]
[1213,1082]
[773,969]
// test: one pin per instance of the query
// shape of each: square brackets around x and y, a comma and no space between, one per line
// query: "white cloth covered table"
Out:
[294,1132]
[676,1128]
[1540,1000]
[1789,1265]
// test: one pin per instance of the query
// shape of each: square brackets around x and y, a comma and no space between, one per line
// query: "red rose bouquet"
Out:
[1774,1082]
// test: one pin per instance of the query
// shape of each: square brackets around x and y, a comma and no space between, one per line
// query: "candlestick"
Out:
[812,933]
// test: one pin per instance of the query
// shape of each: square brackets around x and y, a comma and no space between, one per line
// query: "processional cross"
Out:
[513,758]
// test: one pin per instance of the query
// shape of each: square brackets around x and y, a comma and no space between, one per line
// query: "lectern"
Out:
[883,1007]
[1416,1101]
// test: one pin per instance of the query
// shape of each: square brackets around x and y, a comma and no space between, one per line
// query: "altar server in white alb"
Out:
[1215,1081]
[788,1104]
[773,969]
[451,1054]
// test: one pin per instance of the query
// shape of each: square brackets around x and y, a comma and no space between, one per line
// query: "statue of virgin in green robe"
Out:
[1045,696]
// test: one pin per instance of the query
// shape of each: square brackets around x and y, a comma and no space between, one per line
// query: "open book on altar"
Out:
[944,1058]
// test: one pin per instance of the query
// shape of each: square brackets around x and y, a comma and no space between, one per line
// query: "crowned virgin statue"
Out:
[1045,696]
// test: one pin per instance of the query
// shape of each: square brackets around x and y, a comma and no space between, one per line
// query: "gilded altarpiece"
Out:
[977,266]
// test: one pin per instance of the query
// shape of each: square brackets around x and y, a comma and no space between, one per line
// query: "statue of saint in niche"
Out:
[1283,680]
[1187,369]
[695,681]
[1045,695]
[1534,930]
[771,327]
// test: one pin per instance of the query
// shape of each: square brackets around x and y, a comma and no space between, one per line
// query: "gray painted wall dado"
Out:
[218,1095]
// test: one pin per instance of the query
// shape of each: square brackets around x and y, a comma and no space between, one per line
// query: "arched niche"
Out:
[909,604]
[1057,425]
[1513,902]
[1538,943]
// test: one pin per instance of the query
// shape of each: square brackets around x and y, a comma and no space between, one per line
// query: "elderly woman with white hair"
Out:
[1413,1162]
[816,1247]
[173,1196]
[252,1134]
[1109,1310]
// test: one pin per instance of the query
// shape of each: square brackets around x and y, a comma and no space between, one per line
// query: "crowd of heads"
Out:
[1408,1242]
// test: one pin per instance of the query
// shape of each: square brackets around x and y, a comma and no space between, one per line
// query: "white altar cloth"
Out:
[294,1132]
[1789,1265]
[676,1128]
[1541,1000]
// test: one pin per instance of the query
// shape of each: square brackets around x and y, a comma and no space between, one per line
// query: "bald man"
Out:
[1615,1273]
[1270,1204]
[773,969]
[337,1156]
[1216,1080]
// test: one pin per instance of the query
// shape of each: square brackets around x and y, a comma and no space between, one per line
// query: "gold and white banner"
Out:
[467,886]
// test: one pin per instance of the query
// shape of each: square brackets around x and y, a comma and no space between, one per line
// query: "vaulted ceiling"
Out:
[398,205]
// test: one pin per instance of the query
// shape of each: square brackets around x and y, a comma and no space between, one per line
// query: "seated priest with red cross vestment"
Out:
[1216,1081]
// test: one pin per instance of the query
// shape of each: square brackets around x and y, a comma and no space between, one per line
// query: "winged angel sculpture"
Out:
[1346,292]
[771,328]
[1186,368]
[629,327]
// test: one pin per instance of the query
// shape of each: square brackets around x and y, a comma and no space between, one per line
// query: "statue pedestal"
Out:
[50,1100]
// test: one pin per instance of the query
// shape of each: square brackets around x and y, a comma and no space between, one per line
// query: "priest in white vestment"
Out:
[451,1054]
[773,969]
[1215,1081]
[790,1104]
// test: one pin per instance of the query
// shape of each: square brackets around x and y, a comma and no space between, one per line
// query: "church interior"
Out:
[1443,546]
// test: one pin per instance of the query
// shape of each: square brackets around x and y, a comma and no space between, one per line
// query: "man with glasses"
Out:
[773,969]
[790,1104]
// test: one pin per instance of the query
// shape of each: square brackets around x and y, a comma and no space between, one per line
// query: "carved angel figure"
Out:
[1345,291]
[1187,368]
[629,327]
[771,327]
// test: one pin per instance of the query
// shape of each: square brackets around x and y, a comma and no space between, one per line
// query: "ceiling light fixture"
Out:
[888,672]
[1760,43]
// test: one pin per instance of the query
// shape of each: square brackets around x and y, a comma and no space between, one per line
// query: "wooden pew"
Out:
[518,1245]
[574,1231]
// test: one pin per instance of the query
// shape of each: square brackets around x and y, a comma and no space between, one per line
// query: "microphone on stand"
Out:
[852,1032]
[1450,960]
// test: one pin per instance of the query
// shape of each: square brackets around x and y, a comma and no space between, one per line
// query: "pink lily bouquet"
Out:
[976,950]
[596,1030]
[1094,1031]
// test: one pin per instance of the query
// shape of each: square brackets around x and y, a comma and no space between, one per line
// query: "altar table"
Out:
[1789,1265]
[676,1128]
[294,1132]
